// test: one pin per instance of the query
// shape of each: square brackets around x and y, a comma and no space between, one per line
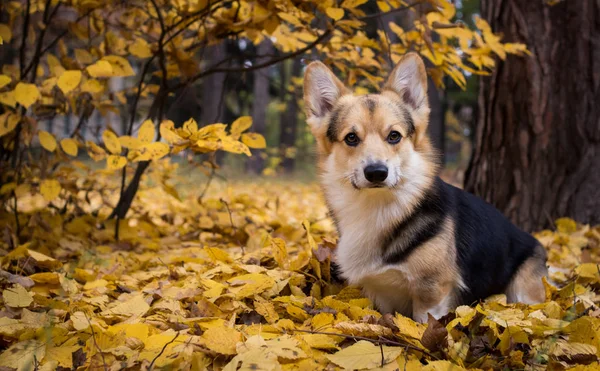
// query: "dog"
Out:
[415,244]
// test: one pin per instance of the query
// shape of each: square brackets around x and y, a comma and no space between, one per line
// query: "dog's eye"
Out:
[394,137]
[351,139]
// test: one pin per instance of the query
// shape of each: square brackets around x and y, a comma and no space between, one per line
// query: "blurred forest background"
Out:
[159,204]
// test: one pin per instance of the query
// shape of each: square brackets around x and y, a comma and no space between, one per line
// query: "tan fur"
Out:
[429,280]
[527,286]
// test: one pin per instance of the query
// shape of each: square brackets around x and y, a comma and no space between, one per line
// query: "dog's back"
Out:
[493,255]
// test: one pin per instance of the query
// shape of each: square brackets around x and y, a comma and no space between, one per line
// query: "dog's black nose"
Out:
[376,173]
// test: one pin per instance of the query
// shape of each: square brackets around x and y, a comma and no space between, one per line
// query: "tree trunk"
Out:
[260,101]
[537,142]
[437,122]
[289,117]
[213,87]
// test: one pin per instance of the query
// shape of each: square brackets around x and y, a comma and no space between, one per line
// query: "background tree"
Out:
[537,144]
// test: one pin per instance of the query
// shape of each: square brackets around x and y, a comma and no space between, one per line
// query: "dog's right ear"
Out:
[321,90]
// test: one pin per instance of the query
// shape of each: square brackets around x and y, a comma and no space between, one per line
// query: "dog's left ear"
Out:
[409,81]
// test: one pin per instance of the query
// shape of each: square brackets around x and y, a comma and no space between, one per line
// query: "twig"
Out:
[232,225]
[24,39]
[380,340]
[213,70]
[16,211]
[210,178]
[162,351]
[382,357]
[95,343]
[397,10]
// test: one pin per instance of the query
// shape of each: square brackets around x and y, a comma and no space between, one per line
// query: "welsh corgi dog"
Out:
[415,244]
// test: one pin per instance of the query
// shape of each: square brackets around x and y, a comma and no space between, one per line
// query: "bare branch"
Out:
[274,61]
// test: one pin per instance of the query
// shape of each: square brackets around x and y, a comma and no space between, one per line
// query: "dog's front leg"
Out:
[433,298]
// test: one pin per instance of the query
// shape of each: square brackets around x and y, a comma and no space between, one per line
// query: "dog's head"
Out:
[375,140]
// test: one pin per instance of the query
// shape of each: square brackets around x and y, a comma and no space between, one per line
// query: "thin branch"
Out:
[95,343]
[298,52]
[232,225]
[210,178]
[16,211]
[24,39]
[380,340]
[61,35]
[162,351]
[397,10]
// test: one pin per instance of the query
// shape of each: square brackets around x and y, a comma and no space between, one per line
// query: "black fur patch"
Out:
[334,123]
[422,225]
[490,248]
[410,123]
[404,113]
[370,103]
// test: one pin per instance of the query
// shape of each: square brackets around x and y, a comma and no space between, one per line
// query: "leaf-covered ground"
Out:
[240,281]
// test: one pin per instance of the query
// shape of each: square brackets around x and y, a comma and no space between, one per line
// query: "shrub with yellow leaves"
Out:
[68,57]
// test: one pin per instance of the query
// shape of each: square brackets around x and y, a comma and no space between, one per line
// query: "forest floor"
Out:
[239,279]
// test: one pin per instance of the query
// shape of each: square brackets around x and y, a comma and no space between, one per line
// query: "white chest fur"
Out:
[364,217]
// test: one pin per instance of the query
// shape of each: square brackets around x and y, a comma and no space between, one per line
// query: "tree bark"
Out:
[213,87]
[537,142]
[260,101]
[289,117]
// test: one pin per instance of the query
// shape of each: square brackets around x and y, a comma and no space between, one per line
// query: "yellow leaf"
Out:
[50,189]
[130,142]
[55,66]
[222,340]
[248,285]
[26,94]
[240,125]
[320,341]
[566,225]
[115,162]
[140,48]
[83,56]
[146,132]
[442,366]
[47,141]
[61,355]
[5,32]
[351,4]
[17,297]
[23,355]
[166,131]
[69,80]
[80,321]
[8,122]
[190,127]
[335,13]
[364,355]
[266,309]
[100,69]
[383,6]
[111,142]
[135,306]
[151,151]
[120,66]
[8,98]
[92,86]
[46,277]
[233,146]
[96,152]
[4,80]
[280,252]
[69,146]
[254,140]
